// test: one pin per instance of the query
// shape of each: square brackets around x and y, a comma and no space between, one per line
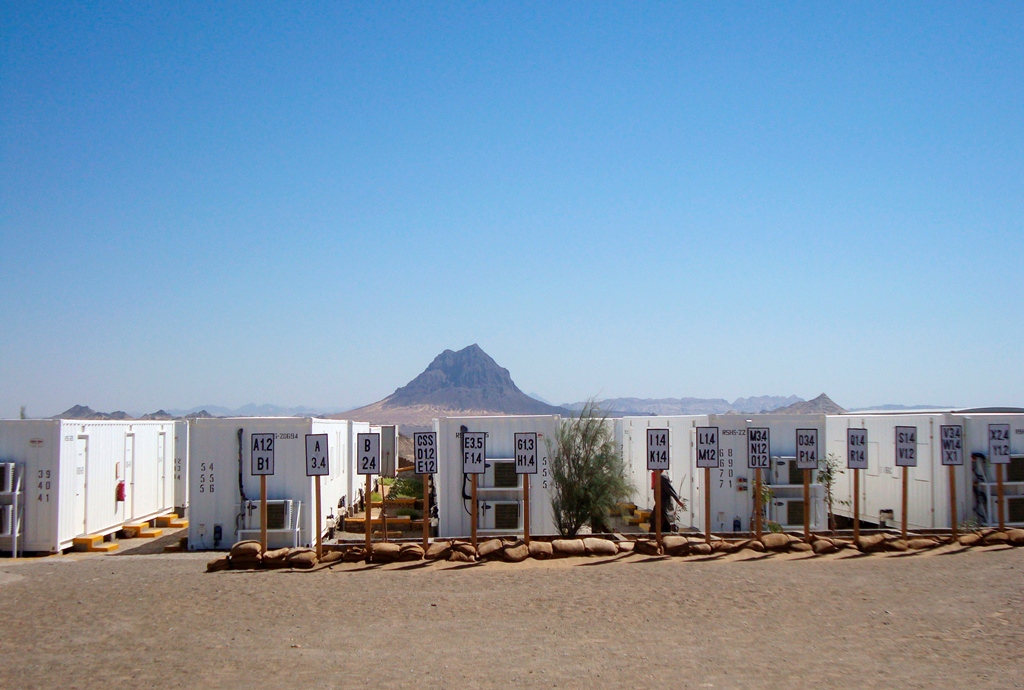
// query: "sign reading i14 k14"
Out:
[317,462]
[657,449]
[425,445]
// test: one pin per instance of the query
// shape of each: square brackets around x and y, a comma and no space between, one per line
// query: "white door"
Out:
[161,467]
[129,476]
[81,463]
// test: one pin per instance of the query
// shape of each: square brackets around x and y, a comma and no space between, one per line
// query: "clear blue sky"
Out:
[303,204]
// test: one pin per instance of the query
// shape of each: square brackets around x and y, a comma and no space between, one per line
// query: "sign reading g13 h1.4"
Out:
[526,453]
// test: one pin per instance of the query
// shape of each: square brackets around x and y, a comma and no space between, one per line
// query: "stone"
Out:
[595,546]
[541,550]
[217,564]
[490,549]
[438,551]
[624,546]
[871,542]
[969,539]
[247,548]
[996,538]
[921,543]
[675,545]
[703,549]
[823,546]
[569,547]
[647,547]
[517,553]
[1015,536]
[800,547]
[332,557]
[410,552]
[387,552]
[775,541]
[896,545]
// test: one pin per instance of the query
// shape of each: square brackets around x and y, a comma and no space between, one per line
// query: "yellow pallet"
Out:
[93,543]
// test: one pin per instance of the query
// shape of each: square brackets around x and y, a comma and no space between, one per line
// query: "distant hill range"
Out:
[820,405]
[467,382]
[86,412]
[620,407]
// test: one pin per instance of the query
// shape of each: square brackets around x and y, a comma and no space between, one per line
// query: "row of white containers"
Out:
[72,470]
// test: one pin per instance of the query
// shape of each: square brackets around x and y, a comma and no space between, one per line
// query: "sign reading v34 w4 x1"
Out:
[951,436]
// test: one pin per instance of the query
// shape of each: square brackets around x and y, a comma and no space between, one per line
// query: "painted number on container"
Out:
[425,445]
[657,449]
[906,446]
[473,452]
[526,453]
[44,486]
[807,449]
[206,478]
[952,438]
[707,447]
[367,453]
[759,449]
[317,455]
[999,444]
[262,454]
[857,449]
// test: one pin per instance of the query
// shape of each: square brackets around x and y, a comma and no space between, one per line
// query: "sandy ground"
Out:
[143,619]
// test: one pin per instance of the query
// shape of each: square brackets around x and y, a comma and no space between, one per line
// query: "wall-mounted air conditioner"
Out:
[279,515]
[6,477]
[788,512]
[502,516]
[500,473]
[6,520]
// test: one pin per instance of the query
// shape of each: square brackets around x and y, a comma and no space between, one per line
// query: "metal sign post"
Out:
[856,460]
[807,460]
[317,465]
[474,452]
[657,462]
[759,457]
[906,457]
[709,458]
[425,452]
[999,455]
[368,463]
[526,464]
[262,464]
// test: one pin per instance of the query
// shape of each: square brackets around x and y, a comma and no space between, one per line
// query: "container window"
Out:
[276,516]
[796,476]
[1015,470]
[506,515]
[1015,509]
[505,476]
[795,513]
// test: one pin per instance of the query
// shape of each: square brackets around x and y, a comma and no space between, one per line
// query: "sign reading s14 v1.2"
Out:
[425,451]
[906,446]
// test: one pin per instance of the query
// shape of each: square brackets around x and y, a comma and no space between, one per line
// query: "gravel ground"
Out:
[945,618]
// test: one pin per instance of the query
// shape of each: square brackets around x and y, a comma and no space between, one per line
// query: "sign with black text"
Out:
[367,454]
[999,444]
[474,450]
[707,447]
[317,462]
[807,449]
[759,449]
[906,446]
[951,436]
[262,454]
[657,449]
[425,445]
[857,449]
[526,453]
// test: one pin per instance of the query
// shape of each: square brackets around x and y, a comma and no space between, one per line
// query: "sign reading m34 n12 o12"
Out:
[999,444]
[317,460]
[951,436]
[906,446]
[425,451]
[807,449]
[707,447]
[657,449]
[856,449]
[367,453]
[474,451]
[759,449]
[262,454]
[526,452]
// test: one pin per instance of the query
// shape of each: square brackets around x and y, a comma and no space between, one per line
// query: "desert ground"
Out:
[143,618]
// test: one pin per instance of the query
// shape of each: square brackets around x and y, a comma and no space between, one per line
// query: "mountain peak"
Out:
[821,404]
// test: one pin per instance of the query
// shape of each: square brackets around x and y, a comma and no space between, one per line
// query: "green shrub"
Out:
[407,487]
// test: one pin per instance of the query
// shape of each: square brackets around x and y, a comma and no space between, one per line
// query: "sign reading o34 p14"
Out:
[526,452]
[657,449]
[474,450]
[425,446]
[707,447]
[999,444]
[906,446]
[951,436]
[807,449]
[367,453]
[759,449]
[856,449]
[262,454]
[317,461]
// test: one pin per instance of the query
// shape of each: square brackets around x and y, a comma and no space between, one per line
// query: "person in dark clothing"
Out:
[668,497]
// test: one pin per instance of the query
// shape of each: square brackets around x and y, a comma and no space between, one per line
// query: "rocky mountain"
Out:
[820,405]
[619,407]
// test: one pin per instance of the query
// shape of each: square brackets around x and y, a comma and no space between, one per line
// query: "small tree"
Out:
[828,472]
[587,473]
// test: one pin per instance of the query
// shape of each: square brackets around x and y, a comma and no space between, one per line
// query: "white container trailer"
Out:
[73,470]
[983,488]
[499,489]
[181,466]
[224,496]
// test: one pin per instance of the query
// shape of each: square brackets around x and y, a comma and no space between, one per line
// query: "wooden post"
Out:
[757,503]
[262,513]
[369,513]
[476,509]
[707,505]
[807,506]
[999,497]
[856,505]
[657,506]
[319,523]
[526,509]
[903,529]
[383,510]
[952,499]
[426,512]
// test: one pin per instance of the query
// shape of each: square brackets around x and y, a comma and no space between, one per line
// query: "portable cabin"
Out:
[77,471]
[181,466]
[499,488]
[978,427]
[224,495]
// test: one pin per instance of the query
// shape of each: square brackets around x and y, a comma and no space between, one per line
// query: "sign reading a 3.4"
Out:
[262,454]
[526,453]
[367,453]
[474,450]
[425,446]
[759,449]
[657,449]
[807,449]
[317,462]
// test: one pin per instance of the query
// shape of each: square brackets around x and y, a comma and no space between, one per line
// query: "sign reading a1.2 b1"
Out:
[425,446]
[807,449]
[759,449]
[707,447]
[906,446]
[657,449]
[262,454]
[999,444]
[951,436]
[857,449]
[526,453]
[317,462]
[474,450]
[367,453]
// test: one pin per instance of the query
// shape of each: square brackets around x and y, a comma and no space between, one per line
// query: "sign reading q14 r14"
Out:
[856,449]
[262,454]
[657,449]
[317,462]
[425,445]
[759,449]
[906,446]
[526,453]
[367,453]
[473,452]
[807,449]
[707,447]
[952,438]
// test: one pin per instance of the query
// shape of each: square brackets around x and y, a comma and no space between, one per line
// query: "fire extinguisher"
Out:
[119,491]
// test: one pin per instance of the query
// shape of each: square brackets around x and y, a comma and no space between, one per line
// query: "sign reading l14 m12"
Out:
[317,461]
[906,446]
[759,449]
[707,447]
[657,449]
[425,451]
[856,449]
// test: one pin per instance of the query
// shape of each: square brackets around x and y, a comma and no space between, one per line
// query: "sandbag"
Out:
[306,559]
[595,546]
[354,554]
[459,556]
[823,546]
[1015,536]
[438,551]
[675,545]
[568,547]
[896,545]
[490,549]
[385,552]
[775,541]
[516,553]
[464,548]
[996,538]
[969,539]
[247,548]
[332,557]
[411,552]
[702,549]
[278,558]
[541,550]
[871,542]
[648,547]
[922,543]
[217,564]
[624,546]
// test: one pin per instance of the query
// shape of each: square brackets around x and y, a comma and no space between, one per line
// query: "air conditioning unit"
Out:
[503,516]
[6,477]
[500,474]
[1014,509]
[788,512]
[279,515]
[6,521]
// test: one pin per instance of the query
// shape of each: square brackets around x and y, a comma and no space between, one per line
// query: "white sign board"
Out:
[657,449]
[807,449]
[474,451]
[906,446]
[317,462]
[367,453]
[759,449]
[526,453]
[951,436]
[707,447]
[857,449]
[425,447]
[262,454]
[999,444]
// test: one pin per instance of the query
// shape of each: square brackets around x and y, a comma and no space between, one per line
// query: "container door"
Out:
[81,463]
[161,469]
[129,476]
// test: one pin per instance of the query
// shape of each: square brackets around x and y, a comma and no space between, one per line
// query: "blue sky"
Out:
[304,205]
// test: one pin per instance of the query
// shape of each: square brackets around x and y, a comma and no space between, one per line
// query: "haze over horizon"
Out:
[304,205]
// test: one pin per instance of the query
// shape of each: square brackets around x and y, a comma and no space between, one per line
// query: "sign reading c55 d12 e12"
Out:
[425,452]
